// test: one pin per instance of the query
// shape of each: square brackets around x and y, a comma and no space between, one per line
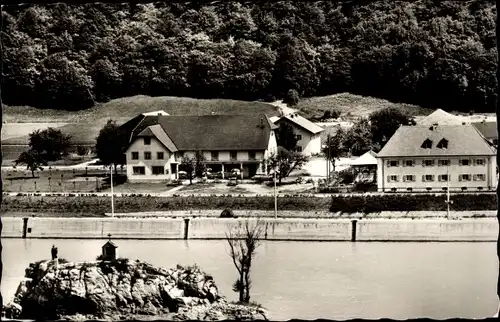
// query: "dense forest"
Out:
[426,52]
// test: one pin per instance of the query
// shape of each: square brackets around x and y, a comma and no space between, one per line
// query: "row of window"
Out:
[156,170]
[431,163]
[441,178]
[147,155]
[215,155]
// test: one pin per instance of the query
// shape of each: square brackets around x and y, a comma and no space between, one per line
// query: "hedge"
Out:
[349,204]
[99,204]
[421,202]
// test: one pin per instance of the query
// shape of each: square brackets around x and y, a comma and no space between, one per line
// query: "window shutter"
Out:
[433,177]
[423,178]
[388,163]
[460,162]
[460,177]
[404,178]
[423,163]
[388,178]
[474,177]
[474,162]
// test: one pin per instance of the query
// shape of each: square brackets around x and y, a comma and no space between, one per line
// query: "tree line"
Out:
[423,52]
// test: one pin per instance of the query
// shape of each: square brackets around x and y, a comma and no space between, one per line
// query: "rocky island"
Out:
[121,289]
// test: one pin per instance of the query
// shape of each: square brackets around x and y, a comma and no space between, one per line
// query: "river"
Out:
[308,280]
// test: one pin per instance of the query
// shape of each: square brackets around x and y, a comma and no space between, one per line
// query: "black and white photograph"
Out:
[249,160]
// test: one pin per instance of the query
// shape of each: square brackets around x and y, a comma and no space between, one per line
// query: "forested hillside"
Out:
[436,54]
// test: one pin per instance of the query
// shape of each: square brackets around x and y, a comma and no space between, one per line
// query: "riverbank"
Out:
[284,229]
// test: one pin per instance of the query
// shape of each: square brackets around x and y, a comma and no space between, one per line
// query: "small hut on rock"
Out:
[109,250]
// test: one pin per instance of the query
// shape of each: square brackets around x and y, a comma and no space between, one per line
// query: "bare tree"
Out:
[243,241]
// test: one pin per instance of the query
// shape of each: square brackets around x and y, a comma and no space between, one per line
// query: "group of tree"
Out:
[44,146]
[426,52]
[366,134]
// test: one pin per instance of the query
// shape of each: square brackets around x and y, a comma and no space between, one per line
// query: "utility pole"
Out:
[112,200]
[275,197]
[328,160]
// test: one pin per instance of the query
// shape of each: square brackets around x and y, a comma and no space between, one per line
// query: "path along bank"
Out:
[291,229]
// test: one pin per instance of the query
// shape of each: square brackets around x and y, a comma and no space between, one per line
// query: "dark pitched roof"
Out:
[109,243]
[301,122]
[487,129]
[158,132]
[207,132]
[462,140]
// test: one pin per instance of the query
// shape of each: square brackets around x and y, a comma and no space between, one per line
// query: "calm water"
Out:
[310,280]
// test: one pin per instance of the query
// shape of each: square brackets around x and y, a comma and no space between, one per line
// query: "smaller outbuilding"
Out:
[365,168]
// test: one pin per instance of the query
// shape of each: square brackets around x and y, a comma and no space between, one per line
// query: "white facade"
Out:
[429,173]
[139,148]
[308,142]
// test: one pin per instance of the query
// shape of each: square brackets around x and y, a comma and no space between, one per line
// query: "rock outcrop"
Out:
[121,289]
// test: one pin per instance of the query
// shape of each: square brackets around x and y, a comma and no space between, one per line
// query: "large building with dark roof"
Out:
[157,142]
[437,158]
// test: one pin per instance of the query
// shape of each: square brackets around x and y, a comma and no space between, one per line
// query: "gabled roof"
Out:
[462,140]
[301,122]
[487,129]
[205,132]
[369,158]
[157,132]
[109,243]
[442,118]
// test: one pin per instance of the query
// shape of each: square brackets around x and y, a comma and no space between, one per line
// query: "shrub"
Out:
[227,213]
[423,202]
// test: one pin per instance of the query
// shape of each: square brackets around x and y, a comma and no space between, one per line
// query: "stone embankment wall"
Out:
[477,229]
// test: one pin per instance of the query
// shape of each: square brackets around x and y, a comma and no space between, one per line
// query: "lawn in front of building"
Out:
[53,180]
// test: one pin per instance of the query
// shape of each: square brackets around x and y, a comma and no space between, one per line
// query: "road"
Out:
[171,193]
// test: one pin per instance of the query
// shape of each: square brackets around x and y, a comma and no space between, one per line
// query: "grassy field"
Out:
[123,109]
[79,180]
[352,106]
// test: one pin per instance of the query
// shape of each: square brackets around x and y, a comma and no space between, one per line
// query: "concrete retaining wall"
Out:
[152,228]
[12,227]
[427,230]
[275,229]
[481,229]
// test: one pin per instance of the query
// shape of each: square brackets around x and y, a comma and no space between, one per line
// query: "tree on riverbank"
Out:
[243,242]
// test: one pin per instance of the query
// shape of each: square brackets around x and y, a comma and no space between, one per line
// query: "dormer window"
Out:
[443,144]
[147,141]
[427,144]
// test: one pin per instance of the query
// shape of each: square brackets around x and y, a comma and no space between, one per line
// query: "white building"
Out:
[158,142]
[435,157]
[309,140]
